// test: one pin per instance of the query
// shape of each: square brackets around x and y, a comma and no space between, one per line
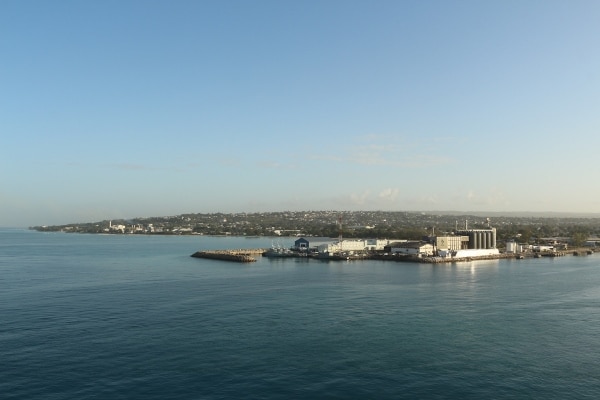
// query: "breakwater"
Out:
[240,255]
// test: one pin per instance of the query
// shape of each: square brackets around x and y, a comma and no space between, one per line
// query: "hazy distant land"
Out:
[380,224]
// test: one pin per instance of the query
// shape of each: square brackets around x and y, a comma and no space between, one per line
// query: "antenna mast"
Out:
[340,237]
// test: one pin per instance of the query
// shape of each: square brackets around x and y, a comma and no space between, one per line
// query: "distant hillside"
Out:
[518,214]
[361,224]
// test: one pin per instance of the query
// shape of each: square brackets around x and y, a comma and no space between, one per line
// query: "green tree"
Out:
[526,234]
[579,238]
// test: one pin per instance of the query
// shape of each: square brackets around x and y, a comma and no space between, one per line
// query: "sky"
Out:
[123,108]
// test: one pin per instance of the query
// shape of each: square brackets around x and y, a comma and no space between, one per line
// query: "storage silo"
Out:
[511,247]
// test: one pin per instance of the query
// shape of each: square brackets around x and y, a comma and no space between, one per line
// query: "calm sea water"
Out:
[135,317]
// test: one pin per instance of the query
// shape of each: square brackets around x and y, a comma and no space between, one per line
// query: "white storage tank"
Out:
[511,247]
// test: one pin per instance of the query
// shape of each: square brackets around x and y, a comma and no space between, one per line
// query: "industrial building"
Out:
[463,244]
[480,238]
[468,243]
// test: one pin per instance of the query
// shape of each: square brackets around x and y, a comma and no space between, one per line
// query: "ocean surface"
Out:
[135,317]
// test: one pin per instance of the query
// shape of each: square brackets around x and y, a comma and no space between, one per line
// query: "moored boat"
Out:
[279,252]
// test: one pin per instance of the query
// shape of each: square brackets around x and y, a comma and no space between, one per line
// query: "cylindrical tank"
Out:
[493,238]
[511,247]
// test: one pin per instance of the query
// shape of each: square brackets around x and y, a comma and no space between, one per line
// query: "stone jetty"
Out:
[240,255]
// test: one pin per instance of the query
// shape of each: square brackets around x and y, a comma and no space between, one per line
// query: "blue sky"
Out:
[118,109]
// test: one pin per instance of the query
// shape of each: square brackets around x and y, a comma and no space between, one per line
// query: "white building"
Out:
[344,245]
[379,244]
[120,228]
[412,248]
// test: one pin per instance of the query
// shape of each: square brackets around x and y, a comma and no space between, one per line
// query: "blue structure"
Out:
[301,244]
[304,244]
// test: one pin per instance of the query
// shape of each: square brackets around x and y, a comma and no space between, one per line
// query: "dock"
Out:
[249,256]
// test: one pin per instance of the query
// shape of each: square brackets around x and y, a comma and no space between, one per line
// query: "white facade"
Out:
[451,242]
[379,244]
[345,245]
[326,245]
[355,245]
[413,248]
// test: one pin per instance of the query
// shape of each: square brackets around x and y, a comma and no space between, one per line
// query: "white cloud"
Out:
[360,199]
[229,162]
[389,194]
[268,164]
[492,198]
[392,151]
[132,167]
